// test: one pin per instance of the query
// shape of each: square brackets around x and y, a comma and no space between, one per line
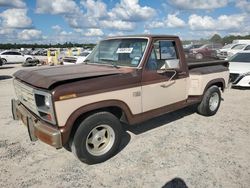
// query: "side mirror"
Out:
[172,64]
[168,82]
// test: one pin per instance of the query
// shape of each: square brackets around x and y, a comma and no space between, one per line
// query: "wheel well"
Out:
[116,111]
[218,84]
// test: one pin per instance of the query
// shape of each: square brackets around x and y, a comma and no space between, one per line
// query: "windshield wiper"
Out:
[113,62]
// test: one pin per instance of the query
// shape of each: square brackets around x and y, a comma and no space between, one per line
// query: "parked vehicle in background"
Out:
[188,47]
[125,79]
[222,53]
[41,55]
[26,51]
[205,51]
[9,56]
[71,60]
[238,48]
[30,63]
[39,52]
[75,51]
[239,67]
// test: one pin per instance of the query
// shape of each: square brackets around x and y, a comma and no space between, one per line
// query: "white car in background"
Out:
[9,56]
[239,67]
[238,48]
[71,60]
[222,53]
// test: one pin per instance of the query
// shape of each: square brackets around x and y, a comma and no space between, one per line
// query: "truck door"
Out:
[164,80]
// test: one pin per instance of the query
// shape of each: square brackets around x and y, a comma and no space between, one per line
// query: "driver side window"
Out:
[163,56]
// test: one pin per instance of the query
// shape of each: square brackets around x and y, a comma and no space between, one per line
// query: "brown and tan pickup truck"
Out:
[125,79]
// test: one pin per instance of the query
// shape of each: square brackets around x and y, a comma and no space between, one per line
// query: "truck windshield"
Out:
[118,52]
[239,47]
[228,46]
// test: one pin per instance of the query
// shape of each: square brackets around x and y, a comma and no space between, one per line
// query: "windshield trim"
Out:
[242,45]
[142,58]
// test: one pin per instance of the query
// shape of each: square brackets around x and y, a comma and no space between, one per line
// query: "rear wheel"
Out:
[210,102]
[97,138]
[199,56]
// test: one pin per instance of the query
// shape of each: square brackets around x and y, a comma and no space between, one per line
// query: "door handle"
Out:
[168,84]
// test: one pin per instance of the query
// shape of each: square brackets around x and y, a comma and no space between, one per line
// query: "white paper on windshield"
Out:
[124,50]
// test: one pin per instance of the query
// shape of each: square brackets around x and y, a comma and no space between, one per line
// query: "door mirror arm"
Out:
[168,82]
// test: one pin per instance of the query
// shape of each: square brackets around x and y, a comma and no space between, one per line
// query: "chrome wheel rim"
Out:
[100,140]
[214,101]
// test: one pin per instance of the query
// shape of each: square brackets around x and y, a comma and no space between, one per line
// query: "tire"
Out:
[199,56]
[97,138]
[28,59]
[210,102]
[4,61]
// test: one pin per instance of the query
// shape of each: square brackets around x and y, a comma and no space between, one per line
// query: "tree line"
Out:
[218,39]
[227,39]
[215,39]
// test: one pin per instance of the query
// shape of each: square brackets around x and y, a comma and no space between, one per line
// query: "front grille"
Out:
[25,95]
[235,78]
[223,53]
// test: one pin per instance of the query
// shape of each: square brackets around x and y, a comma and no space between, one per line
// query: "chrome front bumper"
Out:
[37,129]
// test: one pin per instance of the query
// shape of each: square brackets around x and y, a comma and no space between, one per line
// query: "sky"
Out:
[87,21]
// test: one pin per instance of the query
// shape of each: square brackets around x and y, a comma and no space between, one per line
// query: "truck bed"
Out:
[207,67]
[202,73]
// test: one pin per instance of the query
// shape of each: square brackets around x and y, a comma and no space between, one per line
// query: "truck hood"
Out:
[48,76]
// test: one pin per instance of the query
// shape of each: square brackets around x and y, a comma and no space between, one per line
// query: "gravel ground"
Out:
[181,148]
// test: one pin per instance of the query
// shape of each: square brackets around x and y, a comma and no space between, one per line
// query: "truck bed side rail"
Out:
[192,65]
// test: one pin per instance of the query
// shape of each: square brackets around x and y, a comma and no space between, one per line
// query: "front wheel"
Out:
[199,56]
[4,61]
[210,102]
[97,138]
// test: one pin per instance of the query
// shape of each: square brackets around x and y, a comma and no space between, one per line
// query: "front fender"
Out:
[66,130]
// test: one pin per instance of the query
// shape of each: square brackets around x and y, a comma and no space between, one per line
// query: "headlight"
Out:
[47,102]
[44,106]
[37,101]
